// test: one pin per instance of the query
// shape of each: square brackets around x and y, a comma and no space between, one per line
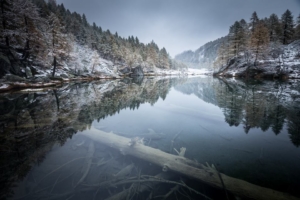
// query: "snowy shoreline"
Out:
[28,85]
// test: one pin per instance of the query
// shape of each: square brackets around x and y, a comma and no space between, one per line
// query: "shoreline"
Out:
[54,82]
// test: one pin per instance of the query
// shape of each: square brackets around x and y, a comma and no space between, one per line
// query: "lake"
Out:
[248,130]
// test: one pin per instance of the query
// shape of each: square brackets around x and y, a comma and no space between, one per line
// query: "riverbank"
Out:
[11,82]
[280,63]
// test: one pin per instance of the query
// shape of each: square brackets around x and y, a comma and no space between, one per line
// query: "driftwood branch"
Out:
[186,167]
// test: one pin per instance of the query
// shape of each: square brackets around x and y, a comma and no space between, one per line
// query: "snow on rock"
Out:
[3,86]
[284,65]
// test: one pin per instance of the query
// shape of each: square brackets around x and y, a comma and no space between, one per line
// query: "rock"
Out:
[39,79]
[137,71]
[5,65]
[64,76]
[125,70]
[138,80]
[14,78]
[56,78]
[28,72]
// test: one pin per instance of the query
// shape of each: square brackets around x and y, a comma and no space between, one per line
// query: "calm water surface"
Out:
[248,130]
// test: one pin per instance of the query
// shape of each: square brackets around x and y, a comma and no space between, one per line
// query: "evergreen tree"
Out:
[152,51]
[259,40]
[274,26]
[237,39]
[58,44]
[287,27]
[222,56]
[137,41]
[6,14]
[254,21]
[52,5]
[26,28]
[95,26]
[163,59]
[84,21]
[297,29]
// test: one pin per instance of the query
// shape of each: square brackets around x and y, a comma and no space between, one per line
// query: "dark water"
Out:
[248,130]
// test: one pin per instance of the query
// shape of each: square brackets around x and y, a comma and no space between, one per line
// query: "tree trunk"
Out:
[93,68]
[54,66]
[26,48]
[4,23]
[186,167]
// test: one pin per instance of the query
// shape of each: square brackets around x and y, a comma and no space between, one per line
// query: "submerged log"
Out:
[182,165]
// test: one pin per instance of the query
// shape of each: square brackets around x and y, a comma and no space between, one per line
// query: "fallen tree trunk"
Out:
[186,167]
[19,85]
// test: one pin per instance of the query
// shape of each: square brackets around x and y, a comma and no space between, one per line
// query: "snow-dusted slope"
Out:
[280,62]
[81,60]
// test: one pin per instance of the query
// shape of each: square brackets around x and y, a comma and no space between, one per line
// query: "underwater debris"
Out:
[182,151]
[173,140]
[80,144]
[136,140]
[165,168]
[125,171]
[88,163]
[179,165]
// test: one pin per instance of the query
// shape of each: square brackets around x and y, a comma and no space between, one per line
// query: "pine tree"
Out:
[237,38]
[6,14]
[164,59]
[58,44]
[25,30]
[287,27]
[222,56]
[84,21]
[52,5]
[259,40]
[95,60]
[297,29]
[274,26]
[254,21]
[152,51]
[137,42]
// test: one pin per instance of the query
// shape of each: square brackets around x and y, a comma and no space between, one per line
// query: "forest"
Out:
[39,36]
[259,39]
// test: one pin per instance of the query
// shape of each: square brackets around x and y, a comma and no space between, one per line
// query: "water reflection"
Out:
[32,123]
[36,127]
[253,103]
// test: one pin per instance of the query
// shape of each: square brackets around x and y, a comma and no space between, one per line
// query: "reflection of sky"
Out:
[177,25]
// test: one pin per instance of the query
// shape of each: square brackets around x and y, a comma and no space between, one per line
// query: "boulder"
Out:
[14,78]
[137,71]
[5,65]
[64,76]
[125,70]
[138,80]
[28,72]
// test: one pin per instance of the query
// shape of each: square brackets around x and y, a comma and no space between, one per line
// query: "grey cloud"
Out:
[177,25]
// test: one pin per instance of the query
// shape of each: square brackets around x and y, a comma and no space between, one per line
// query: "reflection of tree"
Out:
[233,112]
[265,122]
[277,116]
[32,123]
[255,104]
[231,99]
[294,126]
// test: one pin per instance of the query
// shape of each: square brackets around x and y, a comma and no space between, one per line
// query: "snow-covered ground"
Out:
[285,63]
[85,61]
[189,71]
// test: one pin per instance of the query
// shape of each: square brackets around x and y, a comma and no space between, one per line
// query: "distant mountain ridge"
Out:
[203,57]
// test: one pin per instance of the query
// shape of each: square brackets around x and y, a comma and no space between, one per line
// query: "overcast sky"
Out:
[177,25]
